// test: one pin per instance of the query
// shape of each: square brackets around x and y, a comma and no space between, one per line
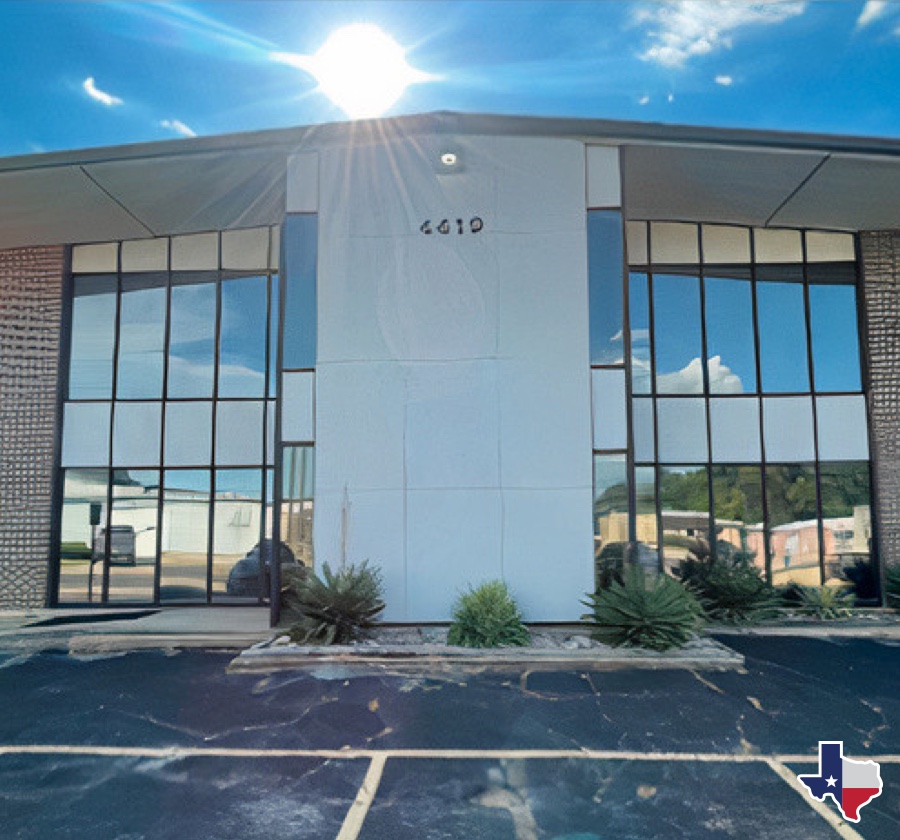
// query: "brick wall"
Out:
[881,290]
[30,312]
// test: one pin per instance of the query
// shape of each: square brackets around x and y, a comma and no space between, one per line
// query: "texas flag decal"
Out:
[851,784]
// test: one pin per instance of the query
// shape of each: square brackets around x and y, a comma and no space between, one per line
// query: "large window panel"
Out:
[610,409]
[132,536]
[142,332]
[646,520]
[847,528]
[242,340]
[239,433]
[788,429]
[93,338]
[734,430]
[192,339]
[843,433]
[237,567]
[737,496]
[684,508]
[188,440]
[782,338]
[729,336]
[682,430]
[85,440]
[793,526]
[297,493]
[605,249]
[185,537]
[835,338]
[300,244]
[639,315]
[136,434]
[83,511]
[610,514]
[676,334]
[643,428]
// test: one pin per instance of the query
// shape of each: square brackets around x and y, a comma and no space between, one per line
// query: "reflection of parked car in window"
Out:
[610,561]
[121,550]
[243,579]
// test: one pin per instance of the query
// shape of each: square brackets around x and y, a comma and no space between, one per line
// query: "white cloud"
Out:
[643,100]
[725,81]
[670,97]
[179,128]
[99,95]
[689,380]
[684,29]
[873,10]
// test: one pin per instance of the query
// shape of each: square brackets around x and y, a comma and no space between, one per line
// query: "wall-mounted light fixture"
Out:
[449,162]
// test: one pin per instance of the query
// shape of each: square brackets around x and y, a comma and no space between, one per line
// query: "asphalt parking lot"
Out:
[155,745]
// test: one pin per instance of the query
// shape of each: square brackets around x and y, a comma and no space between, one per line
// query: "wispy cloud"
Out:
[99,95]
[179,128]
[644,100]
[725,81]
[679,31]
[873,10]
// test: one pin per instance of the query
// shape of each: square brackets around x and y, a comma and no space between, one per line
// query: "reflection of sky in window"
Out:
[609,471]
[639,315]
[729,335]
[242,354]
[195,481]
[142,318]
[238,484]
[782,337]
[676,313]
[192,340]
[93,340]
[835,338]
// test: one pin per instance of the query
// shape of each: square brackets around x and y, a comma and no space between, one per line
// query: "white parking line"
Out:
[357,814]
[455,754]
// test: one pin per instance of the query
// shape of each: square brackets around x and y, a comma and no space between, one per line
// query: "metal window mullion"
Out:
[704,351]
[261,578]
[278,468]
[763,467]
[167,340]
[807,314]
[651,337]
[630,472]
[215,411]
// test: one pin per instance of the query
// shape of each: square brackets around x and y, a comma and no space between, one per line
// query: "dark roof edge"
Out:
[614,132]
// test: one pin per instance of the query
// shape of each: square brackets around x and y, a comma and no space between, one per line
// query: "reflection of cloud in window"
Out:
[240,379]
[689,380]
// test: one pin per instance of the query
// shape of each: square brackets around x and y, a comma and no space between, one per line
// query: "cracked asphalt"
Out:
[156,745]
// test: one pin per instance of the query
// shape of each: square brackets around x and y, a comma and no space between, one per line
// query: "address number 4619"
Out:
[445,226]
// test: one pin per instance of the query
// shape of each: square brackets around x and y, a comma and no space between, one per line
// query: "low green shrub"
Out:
[336,608]
[487,616]
[648,611]
[829,603]
[731,592]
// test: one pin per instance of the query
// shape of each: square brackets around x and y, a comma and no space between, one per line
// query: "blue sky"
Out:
[86,74]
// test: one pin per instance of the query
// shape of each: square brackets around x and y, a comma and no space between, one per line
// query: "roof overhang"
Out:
[759,178]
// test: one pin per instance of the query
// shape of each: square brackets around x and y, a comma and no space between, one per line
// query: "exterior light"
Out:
[449,159]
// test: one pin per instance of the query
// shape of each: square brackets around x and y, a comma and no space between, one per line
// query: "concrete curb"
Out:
[707,655]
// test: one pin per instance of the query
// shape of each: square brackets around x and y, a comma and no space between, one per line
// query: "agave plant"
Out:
[648,611]
[336,608]
[487,616]
[731,592]
[829,603]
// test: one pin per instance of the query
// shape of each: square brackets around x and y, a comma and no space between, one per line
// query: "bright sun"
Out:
[360,69]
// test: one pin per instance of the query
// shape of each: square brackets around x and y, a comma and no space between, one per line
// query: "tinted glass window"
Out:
[93,338]
[684,507]
[729,336]
[782,337]
[242,342]
[793,528]
[142,330]
[132,536]
[835,338]
[737,496]
[185,536]
[678,343]
[639,314]
[605,286]
[192,340]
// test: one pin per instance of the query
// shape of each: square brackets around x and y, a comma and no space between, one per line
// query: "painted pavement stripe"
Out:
[357,814]
[548,754]
[831,817]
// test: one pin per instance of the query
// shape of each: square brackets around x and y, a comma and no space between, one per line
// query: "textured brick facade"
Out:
[31,282]
[881,283]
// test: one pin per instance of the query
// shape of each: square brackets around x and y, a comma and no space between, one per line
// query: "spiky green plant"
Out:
[487,616]
[731,592]
[648,611]
[828,603]
[336,608]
